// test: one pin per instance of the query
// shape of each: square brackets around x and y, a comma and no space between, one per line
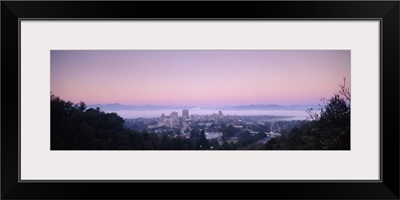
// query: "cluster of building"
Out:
[170,121]
[173,119]
[212,124]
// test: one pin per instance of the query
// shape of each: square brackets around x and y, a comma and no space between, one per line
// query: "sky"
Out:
[198,77]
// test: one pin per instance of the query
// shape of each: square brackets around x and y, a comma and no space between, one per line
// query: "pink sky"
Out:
[198,77]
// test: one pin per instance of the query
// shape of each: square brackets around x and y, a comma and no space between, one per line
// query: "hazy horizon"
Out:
[192,106]
[291,112]
[288,114]
[203,78]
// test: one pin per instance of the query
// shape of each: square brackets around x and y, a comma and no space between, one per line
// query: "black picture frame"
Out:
[386,11]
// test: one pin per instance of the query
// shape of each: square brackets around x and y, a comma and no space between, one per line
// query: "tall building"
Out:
[220,113]
[174,119]
[174,114]
[163,121]
[185,114]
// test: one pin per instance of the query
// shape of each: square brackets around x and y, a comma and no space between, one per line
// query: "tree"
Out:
[74,127]
[329,129]
[81,106]
[194,134]
[334,123]
[203,142]
[228,132]
[345,91]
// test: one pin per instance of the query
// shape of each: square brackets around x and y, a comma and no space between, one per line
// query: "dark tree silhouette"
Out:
[203,142]
[327,130]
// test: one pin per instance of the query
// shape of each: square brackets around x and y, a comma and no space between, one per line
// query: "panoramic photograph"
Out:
[200,100]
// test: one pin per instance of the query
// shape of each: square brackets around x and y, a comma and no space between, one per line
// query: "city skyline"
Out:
[198,77]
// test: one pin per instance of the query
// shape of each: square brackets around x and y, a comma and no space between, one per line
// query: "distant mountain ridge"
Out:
[120,107]
[270,107]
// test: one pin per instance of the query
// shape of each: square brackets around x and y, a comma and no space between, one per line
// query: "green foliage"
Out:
[194,134]
[74,127]
[228,132]
[333,126]
[329,130]
[203,142]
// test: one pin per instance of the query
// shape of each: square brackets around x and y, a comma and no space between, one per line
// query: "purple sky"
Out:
[198,77]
